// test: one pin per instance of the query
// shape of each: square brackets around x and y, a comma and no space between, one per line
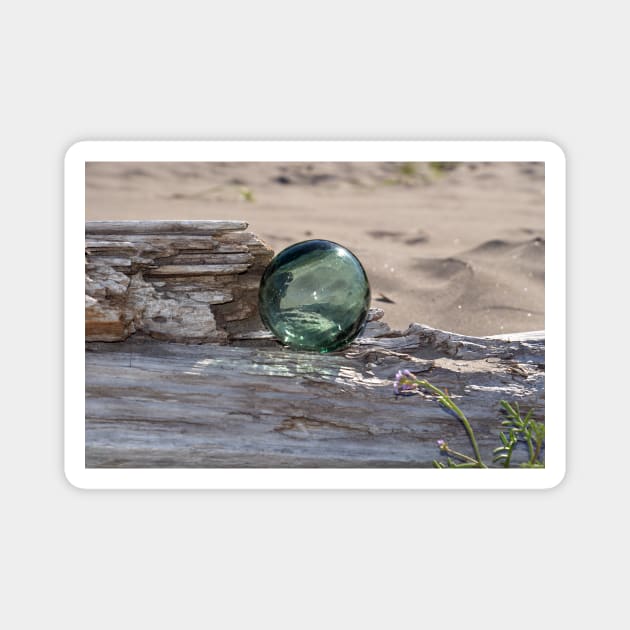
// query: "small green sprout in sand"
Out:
[408,169]
[246,194]
[441,168]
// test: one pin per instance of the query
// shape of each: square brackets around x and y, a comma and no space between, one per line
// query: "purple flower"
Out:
[442,444]
[404,383]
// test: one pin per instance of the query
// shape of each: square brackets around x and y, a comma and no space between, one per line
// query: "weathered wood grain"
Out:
[180,373]
[186,281]
[152,404]
[199,228]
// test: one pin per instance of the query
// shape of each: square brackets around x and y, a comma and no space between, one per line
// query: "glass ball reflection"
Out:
[315,295]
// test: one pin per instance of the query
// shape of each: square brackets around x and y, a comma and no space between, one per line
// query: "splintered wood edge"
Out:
[534,335]
[163,227]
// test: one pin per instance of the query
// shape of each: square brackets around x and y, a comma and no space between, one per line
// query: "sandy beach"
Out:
[459,247]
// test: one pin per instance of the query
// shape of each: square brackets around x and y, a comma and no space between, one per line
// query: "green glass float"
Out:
[315,295]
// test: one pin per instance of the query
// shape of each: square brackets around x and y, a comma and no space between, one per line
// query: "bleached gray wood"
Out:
[153,404]
[163,227]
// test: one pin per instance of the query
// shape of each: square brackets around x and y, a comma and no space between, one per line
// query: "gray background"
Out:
[456,70]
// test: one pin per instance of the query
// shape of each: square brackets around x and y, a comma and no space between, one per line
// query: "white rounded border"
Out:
[328,151]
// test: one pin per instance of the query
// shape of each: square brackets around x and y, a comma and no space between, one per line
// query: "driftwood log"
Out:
[179,372]
[187,281]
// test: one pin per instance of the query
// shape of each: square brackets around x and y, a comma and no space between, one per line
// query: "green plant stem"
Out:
[530,446]
[509,449]
[446,400]
[467,465]
[450,451]
[508,459]
[536,454]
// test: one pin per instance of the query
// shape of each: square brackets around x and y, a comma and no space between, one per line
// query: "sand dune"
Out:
[455,246]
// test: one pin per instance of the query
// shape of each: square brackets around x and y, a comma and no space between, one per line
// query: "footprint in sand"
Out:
[400,237]
[443,270]
[530,251]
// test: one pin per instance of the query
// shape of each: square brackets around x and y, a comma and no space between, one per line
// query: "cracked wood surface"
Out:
[180,374]
[186,281]
[256,404]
